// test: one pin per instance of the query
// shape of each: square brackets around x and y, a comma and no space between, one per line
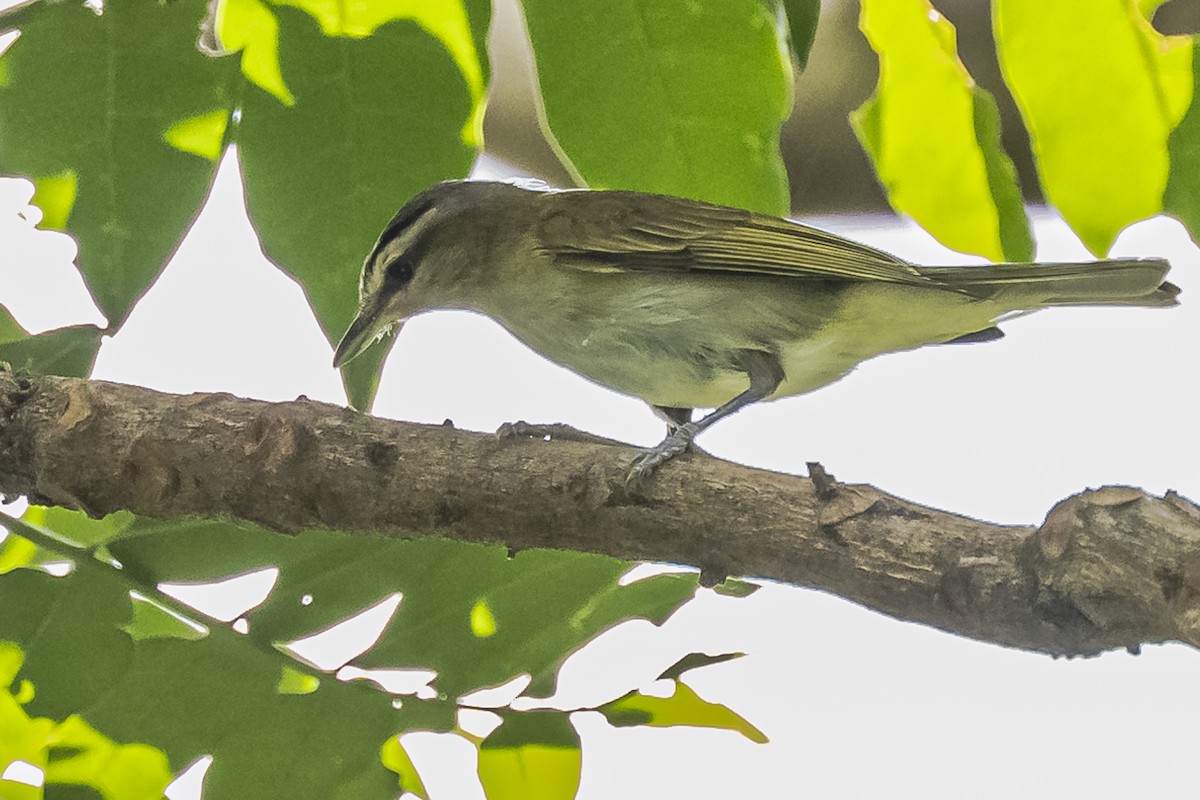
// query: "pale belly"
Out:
[654,351]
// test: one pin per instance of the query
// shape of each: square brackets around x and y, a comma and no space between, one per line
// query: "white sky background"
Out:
[856,705]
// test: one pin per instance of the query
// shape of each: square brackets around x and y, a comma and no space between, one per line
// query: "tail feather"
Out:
[1116,282]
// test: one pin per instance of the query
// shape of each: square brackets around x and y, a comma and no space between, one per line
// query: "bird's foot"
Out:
[678,441]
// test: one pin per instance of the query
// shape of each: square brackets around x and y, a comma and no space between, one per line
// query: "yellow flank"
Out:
[876,319]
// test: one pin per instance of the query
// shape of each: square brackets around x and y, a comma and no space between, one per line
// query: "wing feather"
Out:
[618,231]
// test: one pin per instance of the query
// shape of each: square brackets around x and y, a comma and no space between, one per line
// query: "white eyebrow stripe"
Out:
[412,229]
[399,238]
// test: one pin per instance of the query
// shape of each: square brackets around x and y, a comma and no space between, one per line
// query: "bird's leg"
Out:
[765,373]
[674,416]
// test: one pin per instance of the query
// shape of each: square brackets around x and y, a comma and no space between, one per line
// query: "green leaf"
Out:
[17,552]
[22,738]
[70,630]
[684,707]
[202,135]
[1100,91]
[538,617]
[78,526]
[934,136]
[89,125]
[448,21]
[396,104]
[69,352]
[668,96]
[11,659]
[427,715]
[152,621]
[55,196]
[694,661]
[396,758]
[10,329]
[116,771]
[1016,240]
[265,744]
[736,587]
[802,16]
[533,755]
[293,681]
[1182,196]
[319,745]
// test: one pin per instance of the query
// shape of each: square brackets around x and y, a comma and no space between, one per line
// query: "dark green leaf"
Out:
[70,630]
[538,617]
[374,121]
[694,660]
[427,715]
[668,96]
[90,123]
[323,744]
[69,352]
[802,22]
[1182,197]
[1016,241]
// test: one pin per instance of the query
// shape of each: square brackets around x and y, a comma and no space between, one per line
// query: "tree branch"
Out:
[1108,568]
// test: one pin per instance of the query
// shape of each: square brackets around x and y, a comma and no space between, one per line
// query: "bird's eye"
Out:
[399,272]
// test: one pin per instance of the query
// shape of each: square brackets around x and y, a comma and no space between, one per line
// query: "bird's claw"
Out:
[678,441]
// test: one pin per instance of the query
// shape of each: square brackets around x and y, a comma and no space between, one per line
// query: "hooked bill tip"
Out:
[352,343]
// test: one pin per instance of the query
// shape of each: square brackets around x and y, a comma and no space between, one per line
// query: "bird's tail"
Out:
[1116,282]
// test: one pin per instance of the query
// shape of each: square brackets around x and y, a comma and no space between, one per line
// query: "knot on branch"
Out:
[1119,564]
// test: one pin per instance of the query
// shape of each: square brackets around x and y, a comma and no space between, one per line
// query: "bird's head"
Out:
[423,259]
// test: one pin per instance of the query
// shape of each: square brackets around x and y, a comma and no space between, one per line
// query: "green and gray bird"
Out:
[692,305]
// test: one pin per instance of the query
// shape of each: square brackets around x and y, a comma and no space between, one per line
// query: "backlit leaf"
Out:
[1100,91]
[532,756]
[934,136]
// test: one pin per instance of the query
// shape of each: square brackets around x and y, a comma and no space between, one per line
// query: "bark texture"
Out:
[1108,568]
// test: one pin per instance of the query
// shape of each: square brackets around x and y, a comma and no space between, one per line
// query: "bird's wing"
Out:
[615,231]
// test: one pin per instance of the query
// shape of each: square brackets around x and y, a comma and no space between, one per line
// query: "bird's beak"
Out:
[357,337]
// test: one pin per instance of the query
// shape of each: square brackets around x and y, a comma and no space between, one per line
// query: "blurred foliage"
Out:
[275,725]
[340,113]
[68,753]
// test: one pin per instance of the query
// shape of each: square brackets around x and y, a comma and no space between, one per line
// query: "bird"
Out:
[692,305]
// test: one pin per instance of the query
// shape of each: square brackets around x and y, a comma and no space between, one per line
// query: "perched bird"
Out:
[692,305]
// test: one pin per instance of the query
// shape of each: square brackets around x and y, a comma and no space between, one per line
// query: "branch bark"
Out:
[1109,568]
